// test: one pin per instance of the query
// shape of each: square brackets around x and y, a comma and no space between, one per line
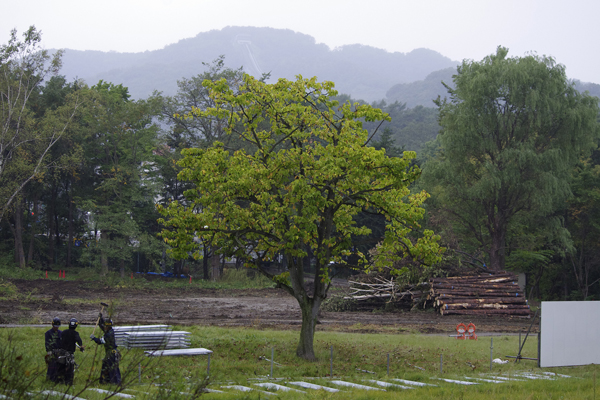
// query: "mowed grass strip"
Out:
[241,356]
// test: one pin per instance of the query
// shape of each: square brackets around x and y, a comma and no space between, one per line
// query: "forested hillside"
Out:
[364,72]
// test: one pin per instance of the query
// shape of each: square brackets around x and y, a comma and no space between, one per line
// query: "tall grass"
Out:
[232,279]
[242,356]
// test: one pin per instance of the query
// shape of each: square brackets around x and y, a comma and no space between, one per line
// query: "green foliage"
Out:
[244,278]
[27,135]
[305,174]
[337,303]
[512,130]
[280,197]
[8,289]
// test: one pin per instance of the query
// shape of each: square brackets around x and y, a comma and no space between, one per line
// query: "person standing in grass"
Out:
[69,339]
[52,340]
[110,363]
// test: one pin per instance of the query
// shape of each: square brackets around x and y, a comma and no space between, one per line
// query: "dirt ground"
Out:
[40,300]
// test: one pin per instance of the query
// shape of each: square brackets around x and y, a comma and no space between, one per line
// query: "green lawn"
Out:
[241,357]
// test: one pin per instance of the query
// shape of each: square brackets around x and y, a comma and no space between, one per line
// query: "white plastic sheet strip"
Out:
[178,352]
[307,385]
[414,383]
[457,381]
[355,385]
[387,384]
[126,396]
[63,395]
[275,386]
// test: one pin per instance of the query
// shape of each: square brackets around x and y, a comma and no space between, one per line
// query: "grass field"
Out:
[242,357]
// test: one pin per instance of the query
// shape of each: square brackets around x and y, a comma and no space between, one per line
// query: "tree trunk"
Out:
[33,230]
[18,233]
[103,256]
[205,264]
[309,305]
[310,310]
[70,226]
[497,253]
[51,226]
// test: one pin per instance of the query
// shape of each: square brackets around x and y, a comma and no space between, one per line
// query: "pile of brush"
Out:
[381,292]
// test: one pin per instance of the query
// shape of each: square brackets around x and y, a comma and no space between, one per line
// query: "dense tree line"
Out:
[513,176]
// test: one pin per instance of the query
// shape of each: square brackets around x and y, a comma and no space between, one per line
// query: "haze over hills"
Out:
[363,72]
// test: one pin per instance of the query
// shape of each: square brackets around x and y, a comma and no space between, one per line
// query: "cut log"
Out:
[474,306]
[490,312]
[485,300]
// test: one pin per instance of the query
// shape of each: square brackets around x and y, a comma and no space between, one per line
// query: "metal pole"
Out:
[331,362]
[491,352]
[388,363]
[519,339]
[140,372]
[441,364]
[208,366]
[272,356]
[518,358]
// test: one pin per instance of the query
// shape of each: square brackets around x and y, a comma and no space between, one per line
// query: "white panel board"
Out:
[569,333]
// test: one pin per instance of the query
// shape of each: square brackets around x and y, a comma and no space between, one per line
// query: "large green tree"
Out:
[26,138]
[121,177]
[308,173]
[512,130]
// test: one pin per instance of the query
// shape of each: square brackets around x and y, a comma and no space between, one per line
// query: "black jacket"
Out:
[68,339]
[52,339]
[108,340]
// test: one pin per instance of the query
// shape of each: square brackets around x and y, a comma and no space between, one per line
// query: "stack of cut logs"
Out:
[374,295]
[487,294]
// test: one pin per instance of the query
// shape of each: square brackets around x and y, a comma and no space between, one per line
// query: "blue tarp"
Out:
[164,274]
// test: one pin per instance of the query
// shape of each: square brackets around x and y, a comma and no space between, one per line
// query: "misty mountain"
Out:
[364,72]
[423,92]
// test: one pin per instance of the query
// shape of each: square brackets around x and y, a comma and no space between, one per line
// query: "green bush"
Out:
[243,277]
[8,290]
[338,303]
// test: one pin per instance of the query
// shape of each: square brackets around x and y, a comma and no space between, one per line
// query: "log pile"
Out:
[486,294]
[382,292]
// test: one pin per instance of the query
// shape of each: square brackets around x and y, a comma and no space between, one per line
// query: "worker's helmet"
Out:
[108,322]
[56,321]
[73,323]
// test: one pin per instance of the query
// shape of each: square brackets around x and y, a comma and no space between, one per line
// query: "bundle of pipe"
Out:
[121,332]
[158,340]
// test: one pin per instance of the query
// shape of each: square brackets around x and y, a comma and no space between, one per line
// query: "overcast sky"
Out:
[459,29]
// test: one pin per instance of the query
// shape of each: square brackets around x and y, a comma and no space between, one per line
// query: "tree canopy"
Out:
[511,131]
[295,192]
[26,138]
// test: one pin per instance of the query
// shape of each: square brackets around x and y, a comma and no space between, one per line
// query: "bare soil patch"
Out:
[40,300]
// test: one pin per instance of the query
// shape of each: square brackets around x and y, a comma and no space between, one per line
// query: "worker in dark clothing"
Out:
[110,363]
[66,362]
[52,341]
